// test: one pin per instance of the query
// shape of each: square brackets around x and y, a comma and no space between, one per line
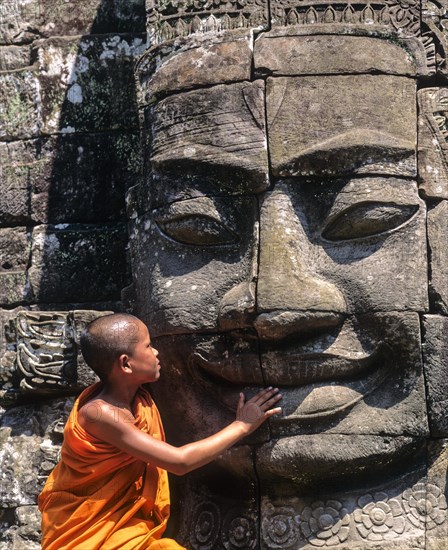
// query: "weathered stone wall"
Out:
[68,151]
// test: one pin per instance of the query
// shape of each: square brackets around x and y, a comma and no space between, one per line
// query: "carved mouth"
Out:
[282,369]
[312,384]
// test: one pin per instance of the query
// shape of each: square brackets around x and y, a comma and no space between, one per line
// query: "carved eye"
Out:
[197,230]
[367,219]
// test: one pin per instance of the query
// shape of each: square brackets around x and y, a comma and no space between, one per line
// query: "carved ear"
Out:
[433,142]
[254,98]
[276,96]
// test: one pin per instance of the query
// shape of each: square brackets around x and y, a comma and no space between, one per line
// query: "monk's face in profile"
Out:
[304,268]
[142,356]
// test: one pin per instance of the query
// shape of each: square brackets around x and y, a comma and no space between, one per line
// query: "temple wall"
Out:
[68,150]
[229,256]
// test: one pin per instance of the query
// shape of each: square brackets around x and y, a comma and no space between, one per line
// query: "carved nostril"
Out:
[237,309]
[279,325]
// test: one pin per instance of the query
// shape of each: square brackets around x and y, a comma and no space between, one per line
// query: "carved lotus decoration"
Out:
[425,505]
[379,517]
[325,524]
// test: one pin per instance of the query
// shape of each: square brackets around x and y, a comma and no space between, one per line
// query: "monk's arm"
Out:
[118,431]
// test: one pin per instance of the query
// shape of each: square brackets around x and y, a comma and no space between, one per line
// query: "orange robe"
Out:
[99,497]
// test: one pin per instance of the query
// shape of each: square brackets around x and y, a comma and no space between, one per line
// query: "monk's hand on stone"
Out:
[255,411]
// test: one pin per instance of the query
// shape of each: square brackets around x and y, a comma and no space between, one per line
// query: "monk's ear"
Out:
[123,362]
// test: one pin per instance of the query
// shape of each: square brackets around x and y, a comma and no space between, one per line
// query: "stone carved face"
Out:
[284,243]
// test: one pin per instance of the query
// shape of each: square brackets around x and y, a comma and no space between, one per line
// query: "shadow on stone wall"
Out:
[69,148]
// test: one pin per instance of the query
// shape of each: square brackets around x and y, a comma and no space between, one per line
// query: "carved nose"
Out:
[237,308]
[291,295]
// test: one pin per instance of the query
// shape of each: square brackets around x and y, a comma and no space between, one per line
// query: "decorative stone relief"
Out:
[240,530]
[399,17]
[225,522]
[325,523]
[379,518]
[434,17]
[174,18]
[43,356]
[434,507]
[425,505]
[399,517]
[280,527]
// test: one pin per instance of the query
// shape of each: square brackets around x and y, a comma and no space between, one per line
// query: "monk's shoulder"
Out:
[98,412]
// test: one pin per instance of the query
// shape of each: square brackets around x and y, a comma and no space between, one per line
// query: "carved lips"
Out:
[312,382]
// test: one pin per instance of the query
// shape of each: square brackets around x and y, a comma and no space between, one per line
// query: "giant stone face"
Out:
[280,239]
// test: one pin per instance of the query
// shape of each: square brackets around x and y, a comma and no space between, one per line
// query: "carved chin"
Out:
[309,459]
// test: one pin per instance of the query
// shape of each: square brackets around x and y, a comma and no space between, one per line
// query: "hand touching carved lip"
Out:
[313,385]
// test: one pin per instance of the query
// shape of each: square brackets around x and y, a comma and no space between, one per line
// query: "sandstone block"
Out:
[70,178]
[30,439]
[14,57]
[77,263]
[70,17]
[14,258]
[435,363]
[17,18]
[314,129]
[331,54]
[23,21]
[19,105]
[218,132]
[88,84]
[197,61]
[437,238]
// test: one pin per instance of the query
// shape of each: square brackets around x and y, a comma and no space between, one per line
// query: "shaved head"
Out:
[108,337]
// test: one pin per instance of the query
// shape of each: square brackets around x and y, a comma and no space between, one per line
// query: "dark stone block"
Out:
[69,178]
[435,363]
[78,263]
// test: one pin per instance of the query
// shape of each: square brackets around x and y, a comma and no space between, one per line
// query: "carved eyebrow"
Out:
[362,144]
[234,178]
[359,190]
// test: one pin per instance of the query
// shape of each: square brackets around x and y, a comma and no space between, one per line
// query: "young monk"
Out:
[110,489]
